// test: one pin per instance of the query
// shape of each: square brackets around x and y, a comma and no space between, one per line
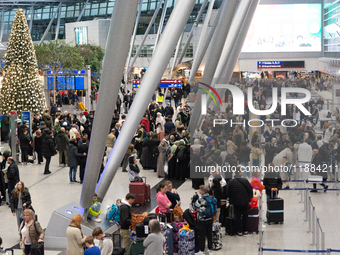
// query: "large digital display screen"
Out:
[285,28]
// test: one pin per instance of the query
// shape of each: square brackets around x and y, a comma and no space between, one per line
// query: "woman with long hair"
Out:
[21,199]
[30,231]
[163,202]
[75,238]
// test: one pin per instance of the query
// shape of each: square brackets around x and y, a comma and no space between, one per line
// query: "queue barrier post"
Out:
[317,232]
[323,241]
[313,226]
[306,203]
[310,219]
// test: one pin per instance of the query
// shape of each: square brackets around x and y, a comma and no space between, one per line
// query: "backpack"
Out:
[177,214]
[111,212]
[210,206]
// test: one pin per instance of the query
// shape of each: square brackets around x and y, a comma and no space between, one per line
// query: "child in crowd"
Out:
[91,249]
[102,241]
[95,209]
[113,213]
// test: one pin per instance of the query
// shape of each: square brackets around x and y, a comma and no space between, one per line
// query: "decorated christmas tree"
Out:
[22,88]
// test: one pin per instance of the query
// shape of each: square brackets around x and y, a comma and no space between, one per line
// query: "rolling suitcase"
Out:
[142,230]
[253,220]
[138,189]
[145,158]
[275,211]
[230,221]
[81,106]
[117,244]
[176,226]
[147,192]
[168,245]
[186,243]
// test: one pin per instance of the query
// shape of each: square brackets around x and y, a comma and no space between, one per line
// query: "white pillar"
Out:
[117,48]
[158,63]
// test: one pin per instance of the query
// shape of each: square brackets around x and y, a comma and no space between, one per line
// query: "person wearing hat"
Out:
[44,129]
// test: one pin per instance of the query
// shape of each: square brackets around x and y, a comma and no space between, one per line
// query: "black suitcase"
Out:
[230,221]
[117,244]
[275,211]
[253,220]
[142,230]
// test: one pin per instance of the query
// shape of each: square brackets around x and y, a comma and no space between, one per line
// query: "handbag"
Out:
[37,248]
[166,167]
[32,157]
[22,244]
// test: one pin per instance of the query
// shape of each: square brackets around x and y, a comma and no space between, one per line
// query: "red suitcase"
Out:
[147,192]
[138,189]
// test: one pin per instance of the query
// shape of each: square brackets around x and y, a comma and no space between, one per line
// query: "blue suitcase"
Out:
[168,245]
[186,244]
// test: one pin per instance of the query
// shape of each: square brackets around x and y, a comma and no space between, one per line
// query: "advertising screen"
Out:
[285,28]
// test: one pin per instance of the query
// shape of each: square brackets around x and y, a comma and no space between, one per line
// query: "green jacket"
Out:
[93,213]
[61,141]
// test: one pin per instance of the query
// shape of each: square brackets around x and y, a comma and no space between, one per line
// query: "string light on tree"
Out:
[21,89]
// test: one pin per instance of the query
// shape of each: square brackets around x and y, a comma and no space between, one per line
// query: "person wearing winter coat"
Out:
[73,131]
[83,147]
[162,148]
[75,237]
[169,126]
[125,218]
[305,154]
[73,156]
[163,202]
[255,154]
[317,161]
[48,150]
[272,182]
[5,126]
[240,192]
[12,175]
[113,215]
[62,142]
[133,169]
[217,192]
[37,145]
[146,123]
[245,158]
[270,151]
[154,242]
[21,200]
[231,147]
[25,144]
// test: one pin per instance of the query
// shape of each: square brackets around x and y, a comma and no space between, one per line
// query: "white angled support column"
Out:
[204,40]
[117,48]
[2,23]
[233,45]
[226,14]
[198,17]
[133,40]
[145,35]
[158,63]
[160,28]
[50,24]
[58,25]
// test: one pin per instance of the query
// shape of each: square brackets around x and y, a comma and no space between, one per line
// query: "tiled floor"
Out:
[51,192]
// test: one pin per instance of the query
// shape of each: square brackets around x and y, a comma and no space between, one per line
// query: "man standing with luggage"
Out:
[240,192]
[207,207]
[125,218]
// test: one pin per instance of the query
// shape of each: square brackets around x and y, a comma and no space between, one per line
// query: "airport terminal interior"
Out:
[251,44]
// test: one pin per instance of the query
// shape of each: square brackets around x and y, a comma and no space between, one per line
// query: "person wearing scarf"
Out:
[183,163]
[30,231]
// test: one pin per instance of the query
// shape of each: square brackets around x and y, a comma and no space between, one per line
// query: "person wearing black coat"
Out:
[2,177]
[5,126]
[152,144]
[317,161]
[12,175]
[37,145]
[217,192]
[240,192]
[272,182]
[48,150]
[21,200]
[270,151]
[25,144]
[73,157]
[82,148]
[232,161]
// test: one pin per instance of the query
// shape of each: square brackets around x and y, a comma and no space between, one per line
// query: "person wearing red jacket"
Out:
[146,123]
